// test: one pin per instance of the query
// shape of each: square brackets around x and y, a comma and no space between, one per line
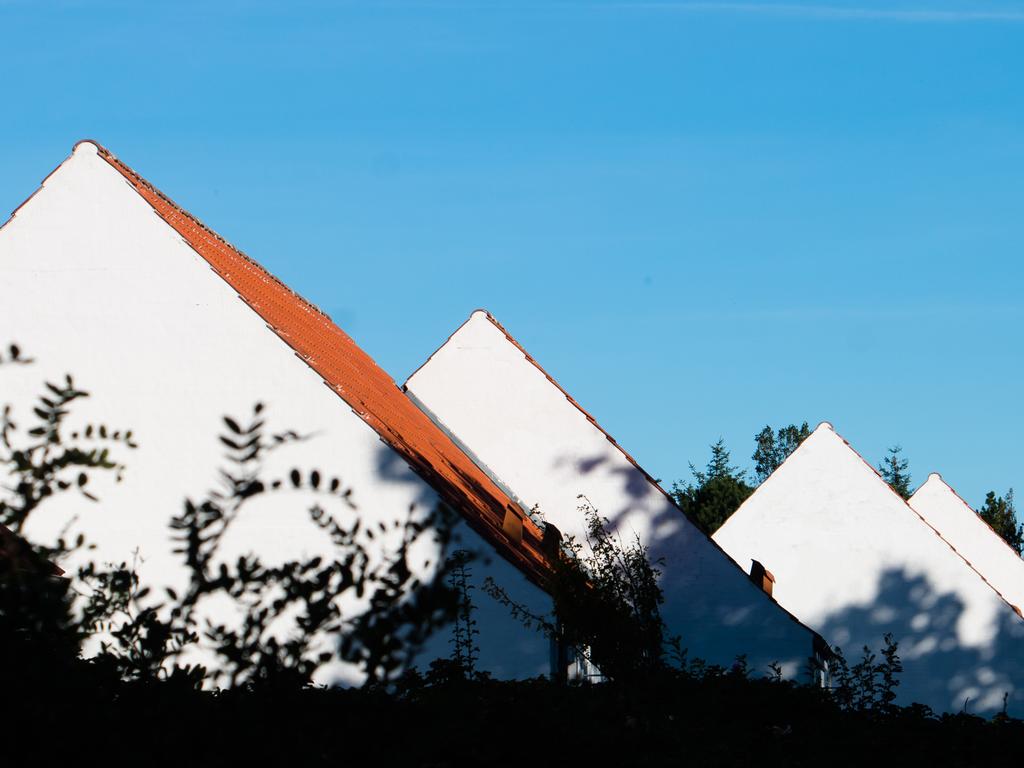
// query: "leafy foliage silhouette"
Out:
[366,606]
[606,601]
[38,623]
[397,612]
[465,650]
[869,685]
[46,460]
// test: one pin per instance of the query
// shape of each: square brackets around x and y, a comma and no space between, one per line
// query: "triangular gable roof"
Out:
[965,530]
[355,377]
[473,388]
[854,560]
[886,490]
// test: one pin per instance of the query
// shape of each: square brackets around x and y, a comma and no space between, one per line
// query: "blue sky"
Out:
[699,217]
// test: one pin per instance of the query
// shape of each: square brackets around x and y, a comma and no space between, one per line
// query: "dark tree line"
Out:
[720,488]
[715,492]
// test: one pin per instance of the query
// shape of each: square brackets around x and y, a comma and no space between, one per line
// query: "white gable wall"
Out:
[971,536]
[94,283]
[481,387]
[853,561]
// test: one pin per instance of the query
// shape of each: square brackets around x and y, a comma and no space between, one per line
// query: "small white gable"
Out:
[854,561]
[539,444]
[971,536]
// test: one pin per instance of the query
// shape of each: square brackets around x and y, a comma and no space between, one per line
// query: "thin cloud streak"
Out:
[827,12]
[793,10]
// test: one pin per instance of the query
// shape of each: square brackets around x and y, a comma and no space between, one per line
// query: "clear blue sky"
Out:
[699,217]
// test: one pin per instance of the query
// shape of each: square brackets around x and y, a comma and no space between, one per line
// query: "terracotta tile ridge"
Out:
[138,180]
[375,398]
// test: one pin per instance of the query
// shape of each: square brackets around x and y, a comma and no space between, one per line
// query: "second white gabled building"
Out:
[539,445]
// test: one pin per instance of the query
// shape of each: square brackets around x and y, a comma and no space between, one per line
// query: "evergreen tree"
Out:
[716,492]
[774,447]
[894,470]
[999,512]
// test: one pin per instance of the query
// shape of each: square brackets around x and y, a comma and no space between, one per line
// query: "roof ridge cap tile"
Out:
[120,165]
[355,377]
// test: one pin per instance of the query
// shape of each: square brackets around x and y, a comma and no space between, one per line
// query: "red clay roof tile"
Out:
[359,381]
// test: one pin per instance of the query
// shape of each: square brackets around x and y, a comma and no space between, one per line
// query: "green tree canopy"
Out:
[774,447]
[999,512]
[894,470]
[714,493]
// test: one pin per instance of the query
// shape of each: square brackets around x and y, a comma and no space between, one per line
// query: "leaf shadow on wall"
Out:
[940,670]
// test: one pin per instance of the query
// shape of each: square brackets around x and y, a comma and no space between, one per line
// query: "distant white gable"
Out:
[482,387]
[170,328]
[971,536]
[854,561]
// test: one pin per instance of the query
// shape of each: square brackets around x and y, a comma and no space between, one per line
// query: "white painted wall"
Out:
[971,536]
[94,283]
[542,447]
[852,560]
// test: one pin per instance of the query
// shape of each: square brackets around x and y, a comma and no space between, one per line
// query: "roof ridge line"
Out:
[110,157]
[934,530]
[975,514]
[355,377]
[590,417]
